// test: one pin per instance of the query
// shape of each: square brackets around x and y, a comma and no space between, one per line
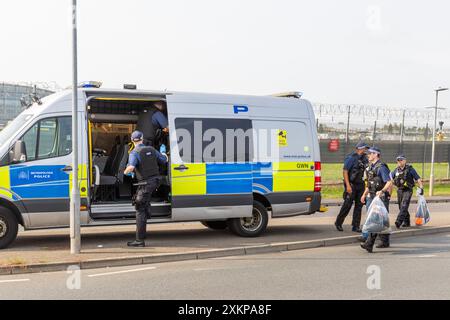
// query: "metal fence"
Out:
[375,124]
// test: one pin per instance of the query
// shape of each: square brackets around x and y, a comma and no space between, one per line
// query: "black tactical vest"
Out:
[374,181]
[145,125]
[357,172]
[402,179]
[148,164]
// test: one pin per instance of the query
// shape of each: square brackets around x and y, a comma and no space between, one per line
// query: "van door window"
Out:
[283,141]
[214,140]
[48,138]
[30,139]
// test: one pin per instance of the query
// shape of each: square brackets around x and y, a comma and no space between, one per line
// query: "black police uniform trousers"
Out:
[141,203]
[355,196]
[385,238]
[404,198]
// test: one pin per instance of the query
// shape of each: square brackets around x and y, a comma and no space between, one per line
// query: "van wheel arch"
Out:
[9,226]
[263,200]
[13,208]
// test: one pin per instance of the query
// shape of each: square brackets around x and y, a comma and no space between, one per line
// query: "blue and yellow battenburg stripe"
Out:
[39,181]
[235,178]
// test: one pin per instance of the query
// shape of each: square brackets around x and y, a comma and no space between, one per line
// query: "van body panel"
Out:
[207,190]
[211,189]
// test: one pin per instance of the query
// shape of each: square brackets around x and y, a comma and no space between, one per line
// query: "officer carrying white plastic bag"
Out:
[377,220]
[422,213]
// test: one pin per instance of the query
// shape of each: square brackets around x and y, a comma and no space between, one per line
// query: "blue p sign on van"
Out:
[240,109]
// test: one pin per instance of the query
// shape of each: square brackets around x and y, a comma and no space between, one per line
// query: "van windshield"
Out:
[13,127]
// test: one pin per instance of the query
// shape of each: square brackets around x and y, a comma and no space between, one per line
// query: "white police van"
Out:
[234,160]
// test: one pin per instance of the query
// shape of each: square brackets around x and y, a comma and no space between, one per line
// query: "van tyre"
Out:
[215,225]
[8,227]
[252,226]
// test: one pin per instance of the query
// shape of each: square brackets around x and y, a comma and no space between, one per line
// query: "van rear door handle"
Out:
[181,167]
[67,169]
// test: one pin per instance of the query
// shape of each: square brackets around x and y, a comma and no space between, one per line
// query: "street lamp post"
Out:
[75,238]
[433,145]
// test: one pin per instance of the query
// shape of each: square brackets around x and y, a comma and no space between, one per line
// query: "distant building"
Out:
[10,95]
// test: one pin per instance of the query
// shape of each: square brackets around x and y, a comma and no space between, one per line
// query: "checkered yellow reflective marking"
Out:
[189,182]
[293,176]
[5,182]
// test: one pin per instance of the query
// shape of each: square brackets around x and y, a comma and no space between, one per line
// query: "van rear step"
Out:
[126,210]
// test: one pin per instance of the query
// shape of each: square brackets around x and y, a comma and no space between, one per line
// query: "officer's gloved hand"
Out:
[162,149]
[420,191]
[130,174]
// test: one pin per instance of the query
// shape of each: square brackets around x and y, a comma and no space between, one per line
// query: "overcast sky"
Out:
[391,53]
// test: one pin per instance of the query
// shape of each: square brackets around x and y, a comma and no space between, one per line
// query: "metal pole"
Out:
[448,169]
[424,150]
[402,132]
[374,131]
[433,145]
[75,239]
[348,126]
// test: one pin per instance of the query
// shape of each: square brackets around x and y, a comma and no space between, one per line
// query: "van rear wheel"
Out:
[215,225]
[8,227]
[251,226]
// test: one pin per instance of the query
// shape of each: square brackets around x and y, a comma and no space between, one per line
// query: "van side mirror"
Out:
[18,152]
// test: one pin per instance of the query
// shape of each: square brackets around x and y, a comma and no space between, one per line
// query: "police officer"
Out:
[404,177]
[377,175]
[151,121]
[143,160]
[354,166]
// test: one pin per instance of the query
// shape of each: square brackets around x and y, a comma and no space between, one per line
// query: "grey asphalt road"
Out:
[42,246]
[413,268]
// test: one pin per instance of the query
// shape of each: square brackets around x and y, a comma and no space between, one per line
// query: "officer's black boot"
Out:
[136,243]
[385,240]
[338,227]
[368,245]
[407,222]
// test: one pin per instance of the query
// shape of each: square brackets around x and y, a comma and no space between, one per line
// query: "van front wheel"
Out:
[251,226]
[8,227]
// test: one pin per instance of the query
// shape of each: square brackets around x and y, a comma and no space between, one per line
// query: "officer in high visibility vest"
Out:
[404,177]
[143,160]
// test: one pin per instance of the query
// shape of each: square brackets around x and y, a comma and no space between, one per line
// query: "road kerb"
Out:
[339,241]
[112,262]
[221,253]
[300,245]
[195,255]
[44,267]
[5,271]
[170,257]
[267,248]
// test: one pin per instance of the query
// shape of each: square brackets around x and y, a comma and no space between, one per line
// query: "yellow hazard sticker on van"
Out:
[282,138]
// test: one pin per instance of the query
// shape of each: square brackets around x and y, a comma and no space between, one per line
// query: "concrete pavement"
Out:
[433,199]
[46,250]
[413,268]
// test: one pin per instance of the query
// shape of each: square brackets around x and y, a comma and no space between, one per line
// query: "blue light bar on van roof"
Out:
[90,84]
[291,94]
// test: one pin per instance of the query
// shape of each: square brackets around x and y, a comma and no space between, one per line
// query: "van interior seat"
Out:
[108,170]
[110,173]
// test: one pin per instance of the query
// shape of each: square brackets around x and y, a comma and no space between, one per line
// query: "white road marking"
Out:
[225,268]
[14,280]
[119,272]
[427,256]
